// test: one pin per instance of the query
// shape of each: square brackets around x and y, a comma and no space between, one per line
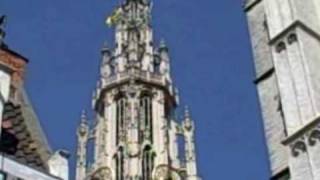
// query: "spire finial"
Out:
[140,1]
[163,45]
[83,117]
[188,124]
[186,112]
[105,47]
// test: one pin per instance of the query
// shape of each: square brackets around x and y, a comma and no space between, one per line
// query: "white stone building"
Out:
[286,44]
[135,133]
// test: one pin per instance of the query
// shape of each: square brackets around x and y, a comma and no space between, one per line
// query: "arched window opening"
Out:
[169,111]
[181,147]
[156,65]
[120,116]
[119,159]
[147,163]
[146,115]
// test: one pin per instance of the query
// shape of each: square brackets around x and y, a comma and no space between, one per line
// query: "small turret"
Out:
[105,51]
[164,51]
[163,46]
[83,135]
[106,65]
[190,154]
[165,59]
[144,2]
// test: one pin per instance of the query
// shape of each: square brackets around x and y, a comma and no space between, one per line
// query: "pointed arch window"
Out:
[156,64]
[147,163]
[146,115]
[120,116]
[119,160]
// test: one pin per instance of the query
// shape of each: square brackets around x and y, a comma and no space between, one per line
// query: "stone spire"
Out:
[136,133]
[190,151]
[83,135]
[133,35]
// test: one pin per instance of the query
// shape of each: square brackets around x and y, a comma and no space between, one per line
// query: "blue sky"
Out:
[211,61]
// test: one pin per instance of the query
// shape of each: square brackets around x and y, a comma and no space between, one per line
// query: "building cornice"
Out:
[264,76]
[296,24]
[248,6]
[302,131]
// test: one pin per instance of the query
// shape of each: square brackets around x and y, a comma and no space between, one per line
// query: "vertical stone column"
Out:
[160,129]
[112,135]
[287,88]
[97,141]
[174,150]
[102,143]
[165,64]
[313,144]
[83,135]
[190,150]
[291,96]
[133,135]
[301,75]
[109,130]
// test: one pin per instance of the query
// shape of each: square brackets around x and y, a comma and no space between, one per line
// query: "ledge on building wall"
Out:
[264,76]
[290,28]
[247,6]
[302,131]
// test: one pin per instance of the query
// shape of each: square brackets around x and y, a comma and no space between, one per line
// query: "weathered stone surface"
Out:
[289,45]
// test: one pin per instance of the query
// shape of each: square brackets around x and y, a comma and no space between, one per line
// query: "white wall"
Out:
[4,90]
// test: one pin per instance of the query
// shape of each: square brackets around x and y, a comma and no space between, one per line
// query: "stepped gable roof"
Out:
[21,122]
[14,63]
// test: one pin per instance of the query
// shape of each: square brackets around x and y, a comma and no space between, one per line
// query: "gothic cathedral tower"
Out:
[285,38]
[135,134]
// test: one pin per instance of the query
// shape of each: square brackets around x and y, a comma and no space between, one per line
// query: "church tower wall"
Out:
[294,45]
[266,82]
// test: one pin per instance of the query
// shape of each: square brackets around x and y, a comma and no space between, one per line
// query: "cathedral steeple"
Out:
[136,131]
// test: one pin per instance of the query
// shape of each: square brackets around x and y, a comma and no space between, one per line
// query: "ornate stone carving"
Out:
[314,137]
[122,136]
[298,147]
[139,104]
[280,46]
[162,172]
[103,174]
[292,38]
